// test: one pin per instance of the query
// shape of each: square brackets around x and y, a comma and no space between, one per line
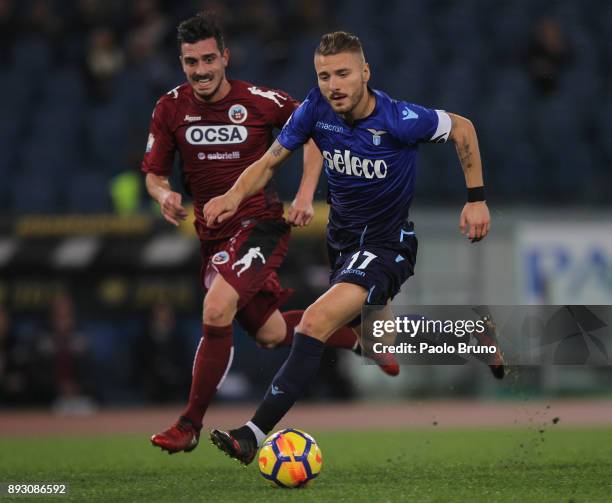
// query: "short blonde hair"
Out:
[337,42]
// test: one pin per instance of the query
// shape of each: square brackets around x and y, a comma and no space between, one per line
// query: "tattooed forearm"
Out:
[464,136]
[276,149]
[465,156]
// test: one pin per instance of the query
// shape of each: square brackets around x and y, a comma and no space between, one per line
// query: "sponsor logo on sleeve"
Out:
[408,114]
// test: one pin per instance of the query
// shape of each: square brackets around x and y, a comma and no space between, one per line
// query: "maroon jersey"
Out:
[217,142]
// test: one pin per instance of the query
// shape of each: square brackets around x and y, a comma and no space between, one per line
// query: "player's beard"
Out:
[355,103]
[343,109]
[352,100]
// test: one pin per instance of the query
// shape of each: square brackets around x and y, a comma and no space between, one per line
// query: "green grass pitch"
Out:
[557,465]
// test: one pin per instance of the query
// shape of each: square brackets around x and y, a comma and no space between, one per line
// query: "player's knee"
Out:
[268,339]
[315,322]
[217,313]
[272,332]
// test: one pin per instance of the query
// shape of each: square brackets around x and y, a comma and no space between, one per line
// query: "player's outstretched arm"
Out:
[301,210]
[170,202]
[475,220]
[251,181]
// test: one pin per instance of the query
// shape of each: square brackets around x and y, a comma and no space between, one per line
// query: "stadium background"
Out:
[99,298]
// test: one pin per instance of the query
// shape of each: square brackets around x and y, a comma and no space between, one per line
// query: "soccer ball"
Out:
[290,458]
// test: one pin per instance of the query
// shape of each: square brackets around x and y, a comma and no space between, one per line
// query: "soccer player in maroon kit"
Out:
[219,127]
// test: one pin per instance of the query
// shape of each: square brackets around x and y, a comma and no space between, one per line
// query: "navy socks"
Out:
[292,379]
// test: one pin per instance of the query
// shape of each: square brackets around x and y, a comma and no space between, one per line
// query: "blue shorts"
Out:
[380,269]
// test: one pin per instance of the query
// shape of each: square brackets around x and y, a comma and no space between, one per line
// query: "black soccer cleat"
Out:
[236,444]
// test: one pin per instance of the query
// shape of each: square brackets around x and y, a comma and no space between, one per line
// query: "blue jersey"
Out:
[370,165]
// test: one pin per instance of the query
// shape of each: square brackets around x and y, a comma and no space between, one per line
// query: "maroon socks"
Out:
[212,361]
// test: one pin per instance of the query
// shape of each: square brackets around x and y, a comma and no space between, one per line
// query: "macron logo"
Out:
[408,114]
[329,127]
[275,390]
[192,118]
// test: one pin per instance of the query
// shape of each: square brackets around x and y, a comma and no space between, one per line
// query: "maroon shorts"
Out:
[248,261]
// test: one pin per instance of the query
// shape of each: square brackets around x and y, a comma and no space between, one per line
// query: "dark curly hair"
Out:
[200,27]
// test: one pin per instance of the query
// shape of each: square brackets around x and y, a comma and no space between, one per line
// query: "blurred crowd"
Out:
[74,360]
[72,366]
[80,79]
[49,366]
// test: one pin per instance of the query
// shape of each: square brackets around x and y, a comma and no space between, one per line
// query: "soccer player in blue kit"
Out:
[369,143]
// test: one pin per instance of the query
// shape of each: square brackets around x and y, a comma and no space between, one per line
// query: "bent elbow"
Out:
[462,129]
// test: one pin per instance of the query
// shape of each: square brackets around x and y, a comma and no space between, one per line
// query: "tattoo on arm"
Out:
[465,156]
[464,146]
[276,149]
